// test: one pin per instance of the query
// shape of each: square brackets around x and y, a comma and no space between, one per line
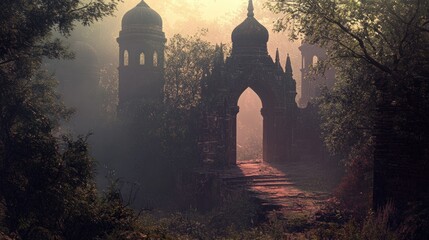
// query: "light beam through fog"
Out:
[188,17]
[249,126]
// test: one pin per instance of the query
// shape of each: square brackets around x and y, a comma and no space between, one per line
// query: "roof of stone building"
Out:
[250,31]
[141,16]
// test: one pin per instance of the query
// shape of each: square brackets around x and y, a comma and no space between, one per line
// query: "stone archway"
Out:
[249,127]
[255,80]
[221,91]
[249,66]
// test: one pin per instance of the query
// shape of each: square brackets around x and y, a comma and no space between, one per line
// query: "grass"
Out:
[228,222]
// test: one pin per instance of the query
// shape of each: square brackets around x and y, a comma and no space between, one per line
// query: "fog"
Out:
[89,84]
[249,126]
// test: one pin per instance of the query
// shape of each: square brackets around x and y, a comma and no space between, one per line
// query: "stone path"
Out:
[274,188]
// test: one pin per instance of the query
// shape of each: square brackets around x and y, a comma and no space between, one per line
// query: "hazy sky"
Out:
[187,17]
[220,17]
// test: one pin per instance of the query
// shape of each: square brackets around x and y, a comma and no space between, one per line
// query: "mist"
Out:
[189,119]
[89,85]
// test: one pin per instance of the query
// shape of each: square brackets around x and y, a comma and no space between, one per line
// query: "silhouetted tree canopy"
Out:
[188,59]
[380,50]
[47,187]
[381,42]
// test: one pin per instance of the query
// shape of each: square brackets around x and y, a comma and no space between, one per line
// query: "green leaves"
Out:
[188,58]
[25,26]
[47,187]
[383,33]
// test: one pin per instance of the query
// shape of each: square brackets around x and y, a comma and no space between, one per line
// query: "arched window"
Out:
[126,58]
[315,60]
[142,59]
[155,59]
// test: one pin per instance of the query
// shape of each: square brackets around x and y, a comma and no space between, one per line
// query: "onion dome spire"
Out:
[143,4]
[250,37]
[250,9]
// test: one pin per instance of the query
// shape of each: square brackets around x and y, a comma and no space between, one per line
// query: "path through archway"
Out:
[249,127]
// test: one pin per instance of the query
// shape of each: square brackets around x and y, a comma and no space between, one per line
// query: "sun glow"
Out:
[219,17]
[179,10]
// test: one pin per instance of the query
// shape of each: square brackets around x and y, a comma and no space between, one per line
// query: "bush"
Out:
[354,192]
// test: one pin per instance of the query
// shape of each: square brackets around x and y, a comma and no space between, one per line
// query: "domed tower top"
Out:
[250,37]
[141,17]
[141,56]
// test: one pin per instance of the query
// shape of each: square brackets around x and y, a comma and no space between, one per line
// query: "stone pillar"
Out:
[232,155]
[268,135]
[264,134]
[282,141]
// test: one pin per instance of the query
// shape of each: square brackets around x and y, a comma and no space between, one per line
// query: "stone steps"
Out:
[272,189]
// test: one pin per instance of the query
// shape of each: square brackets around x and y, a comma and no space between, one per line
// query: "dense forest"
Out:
[138,176]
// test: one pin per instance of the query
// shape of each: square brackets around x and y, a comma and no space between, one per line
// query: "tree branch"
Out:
[81,8]
[361,44]
[8,61]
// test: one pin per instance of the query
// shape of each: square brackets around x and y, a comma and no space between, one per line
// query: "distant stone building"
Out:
[311,85]
[141,78]
[141,56]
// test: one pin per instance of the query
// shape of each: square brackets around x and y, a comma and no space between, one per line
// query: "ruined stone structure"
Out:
[249,66]
[310,84]
[141,56]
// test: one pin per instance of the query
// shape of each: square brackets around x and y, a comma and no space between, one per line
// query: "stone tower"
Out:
[311,85]
[141,56]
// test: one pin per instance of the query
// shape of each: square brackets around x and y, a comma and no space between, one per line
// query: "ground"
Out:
[288,189]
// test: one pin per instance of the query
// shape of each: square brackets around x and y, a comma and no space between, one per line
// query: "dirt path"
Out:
[274,187]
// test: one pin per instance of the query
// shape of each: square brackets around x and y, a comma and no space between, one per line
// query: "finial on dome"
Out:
[143,3]
[250,9]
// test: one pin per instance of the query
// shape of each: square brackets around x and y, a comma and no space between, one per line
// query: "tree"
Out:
[188,60]
[159,140]
[347,114]
[47,188]
[26,27]
[389,39]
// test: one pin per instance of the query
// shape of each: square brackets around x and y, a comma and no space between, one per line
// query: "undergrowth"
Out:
[233,221]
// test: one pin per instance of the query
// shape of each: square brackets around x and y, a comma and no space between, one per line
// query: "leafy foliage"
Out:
[348,113]
[379,49]
[26,26]
[47,180]
[188,60]
[159,138]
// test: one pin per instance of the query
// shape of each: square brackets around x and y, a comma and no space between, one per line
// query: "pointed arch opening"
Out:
[142,58]
[126,58]
[249,127]
[155,59]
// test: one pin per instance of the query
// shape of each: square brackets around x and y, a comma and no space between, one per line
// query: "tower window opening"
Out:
[142,59]
[126,58]
[315,60]
[155,59]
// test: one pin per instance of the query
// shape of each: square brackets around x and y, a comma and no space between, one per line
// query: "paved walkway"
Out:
[274,188]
